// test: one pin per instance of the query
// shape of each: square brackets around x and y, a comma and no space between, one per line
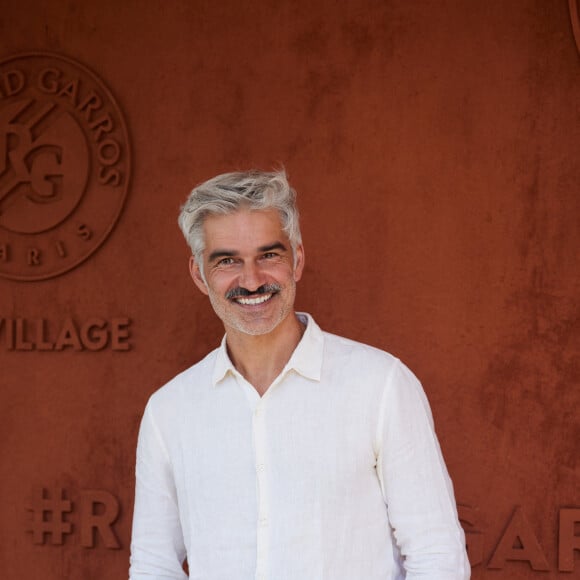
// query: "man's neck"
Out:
[260,359]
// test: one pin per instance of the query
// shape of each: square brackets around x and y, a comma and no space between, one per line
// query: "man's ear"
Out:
[196,276]
[299,262]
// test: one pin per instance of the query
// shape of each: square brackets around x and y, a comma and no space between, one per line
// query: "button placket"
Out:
[260,439]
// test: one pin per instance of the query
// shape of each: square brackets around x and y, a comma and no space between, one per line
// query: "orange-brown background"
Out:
[434,146]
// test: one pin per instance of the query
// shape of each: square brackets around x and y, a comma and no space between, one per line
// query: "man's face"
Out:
[250,270]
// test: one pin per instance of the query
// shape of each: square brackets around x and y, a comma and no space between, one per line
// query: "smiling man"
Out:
[287,453]
[249,269]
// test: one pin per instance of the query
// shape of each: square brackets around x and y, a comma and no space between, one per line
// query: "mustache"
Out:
[264,289]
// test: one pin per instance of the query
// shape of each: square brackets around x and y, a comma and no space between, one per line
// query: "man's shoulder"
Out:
[365,364]
[347,348]
[192,380]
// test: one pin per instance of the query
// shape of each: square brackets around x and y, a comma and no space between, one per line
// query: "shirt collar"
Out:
[306,359]
[223,365]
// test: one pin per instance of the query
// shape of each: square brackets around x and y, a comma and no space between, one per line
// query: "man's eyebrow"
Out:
[221,254]
[274,246]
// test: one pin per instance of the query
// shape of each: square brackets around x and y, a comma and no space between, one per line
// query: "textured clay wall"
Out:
[435,148]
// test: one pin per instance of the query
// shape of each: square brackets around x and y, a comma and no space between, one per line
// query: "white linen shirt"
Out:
[334,474]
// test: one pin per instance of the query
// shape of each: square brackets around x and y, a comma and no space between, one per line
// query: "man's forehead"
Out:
[244,210]
[252,229]
[243,219]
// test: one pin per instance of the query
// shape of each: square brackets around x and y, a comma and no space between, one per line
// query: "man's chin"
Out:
[255,328]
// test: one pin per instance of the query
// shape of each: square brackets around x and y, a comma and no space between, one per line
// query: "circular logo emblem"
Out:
[65,164]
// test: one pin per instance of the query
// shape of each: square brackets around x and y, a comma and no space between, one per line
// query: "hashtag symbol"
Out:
[48,513]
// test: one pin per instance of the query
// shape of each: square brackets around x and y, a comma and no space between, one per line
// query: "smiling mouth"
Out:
[246,297]
[249,301]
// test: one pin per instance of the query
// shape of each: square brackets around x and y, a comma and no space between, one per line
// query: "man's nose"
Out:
[251,278]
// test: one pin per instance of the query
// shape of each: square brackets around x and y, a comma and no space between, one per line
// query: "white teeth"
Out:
[252,301]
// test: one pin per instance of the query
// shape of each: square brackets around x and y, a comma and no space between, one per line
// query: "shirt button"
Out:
[263,522]
[260,468]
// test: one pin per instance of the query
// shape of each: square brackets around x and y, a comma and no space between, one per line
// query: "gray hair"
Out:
[231,192]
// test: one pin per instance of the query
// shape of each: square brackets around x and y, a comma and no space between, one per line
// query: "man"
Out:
[287,453]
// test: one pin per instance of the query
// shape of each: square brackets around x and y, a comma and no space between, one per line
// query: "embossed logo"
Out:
[65,164]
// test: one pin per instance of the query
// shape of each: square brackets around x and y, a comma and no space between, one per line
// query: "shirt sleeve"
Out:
[416,486]
[157,545]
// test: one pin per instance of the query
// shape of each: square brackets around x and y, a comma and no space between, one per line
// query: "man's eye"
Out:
[225,262]
[270,255]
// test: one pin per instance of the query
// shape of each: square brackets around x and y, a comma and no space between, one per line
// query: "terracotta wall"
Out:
[435,148]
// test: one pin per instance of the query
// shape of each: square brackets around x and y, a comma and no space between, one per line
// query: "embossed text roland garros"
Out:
[65,164]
